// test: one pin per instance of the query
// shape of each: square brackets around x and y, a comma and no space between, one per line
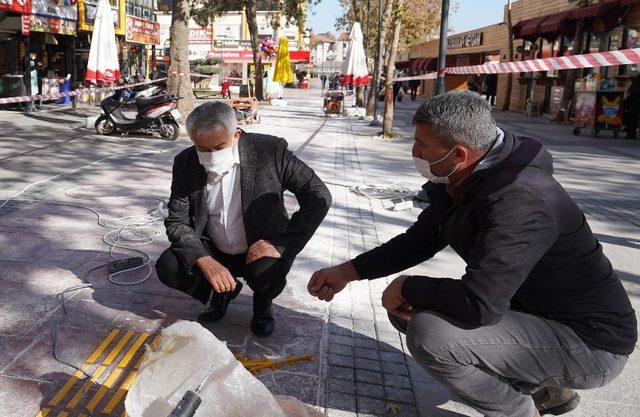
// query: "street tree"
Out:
[398,14]
[507,94]
[179,80]
[204,11]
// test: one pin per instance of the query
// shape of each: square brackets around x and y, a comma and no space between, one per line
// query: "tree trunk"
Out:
[378,62]
[570,79]
[387,124]
[250,7]
[507,97]
[359,95]
[179,80]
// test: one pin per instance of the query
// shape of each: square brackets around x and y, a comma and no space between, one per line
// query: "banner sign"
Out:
[142,31]
[16,6]
[54,16]
[199,35]
[26,24]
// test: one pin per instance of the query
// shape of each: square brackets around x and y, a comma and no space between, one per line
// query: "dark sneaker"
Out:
[262,323]
[556,401]
[217,307]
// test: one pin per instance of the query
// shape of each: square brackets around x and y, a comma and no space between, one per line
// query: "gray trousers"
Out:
[494,369]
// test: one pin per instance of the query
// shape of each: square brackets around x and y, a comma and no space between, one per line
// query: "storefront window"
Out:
[614,45]
[547,49]
[597,41]
[631,40]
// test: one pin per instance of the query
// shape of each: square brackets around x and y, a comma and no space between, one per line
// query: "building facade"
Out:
[541,29]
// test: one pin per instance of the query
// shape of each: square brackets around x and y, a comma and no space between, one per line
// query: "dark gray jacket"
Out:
[527,246]
[267,169]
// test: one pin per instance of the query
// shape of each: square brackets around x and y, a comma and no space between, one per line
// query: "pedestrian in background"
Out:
[490,88]
[323,79]
[414,84]
[632,109]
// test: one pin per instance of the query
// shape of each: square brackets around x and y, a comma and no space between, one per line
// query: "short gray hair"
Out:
[459,117]
[211,115]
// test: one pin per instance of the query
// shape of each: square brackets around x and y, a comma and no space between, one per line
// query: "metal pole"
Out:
[376,70]
[442,54]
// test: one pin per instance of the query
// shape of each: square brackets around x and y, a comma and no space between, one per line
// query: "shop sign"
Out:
[199,35]
[87,10]
[26,24]
[465,41]
[54,16]
[231,43]
[142,31]
[16,6]
[300,56]
[231,56]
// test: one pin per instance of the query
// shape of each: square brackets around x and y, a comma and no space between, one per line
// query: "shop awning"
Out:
[403,64]
[595,10]
[557,23]
[423,65]
[527,28]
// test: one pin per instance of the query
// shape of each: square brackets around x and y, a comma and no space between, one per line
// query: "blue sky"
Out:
[471,14]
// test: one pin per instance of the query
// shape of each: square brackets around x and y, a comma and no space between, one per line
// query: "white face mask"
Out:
[424,168]
[218,162]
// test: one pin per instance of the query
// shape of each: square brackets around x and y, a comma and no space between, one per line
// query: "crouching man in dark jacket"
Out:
[227,217]
[539,311]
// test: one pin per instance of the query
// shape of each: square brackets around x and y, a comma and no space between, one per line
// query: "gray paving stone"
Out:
[340,360]
[371,406]
[394,368]
[340,349]
[393,357]
[372,354]
[341,386]
[372,377]
[367,343]
[369,390]
[397,381]
[342,340]
[342,402]
[341,373]
[368,364]
[404,396]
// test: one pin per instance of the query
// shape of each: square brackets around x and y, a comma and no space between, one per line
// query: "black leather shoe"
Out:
[556,401]
[218,305]
[262,323]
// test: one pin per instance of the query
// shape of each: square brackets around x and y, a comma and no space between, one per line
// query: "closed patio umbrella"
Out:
[103,64]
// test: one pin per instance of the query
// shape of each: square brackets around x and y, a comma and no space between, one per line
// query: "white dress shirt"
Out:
[225,226]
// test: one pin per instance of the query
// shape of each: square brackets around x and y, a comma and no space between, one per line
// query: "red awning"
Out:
[557,23]
[595,10]
[527,28]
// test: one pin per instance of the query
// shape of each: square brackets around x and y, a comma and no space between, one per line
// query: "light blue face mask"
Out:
[424,168]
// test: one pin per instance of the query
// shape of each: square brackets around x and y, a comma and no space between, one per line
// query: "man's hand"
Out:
[394,302]
[260,249]
[327,282]
[219,276]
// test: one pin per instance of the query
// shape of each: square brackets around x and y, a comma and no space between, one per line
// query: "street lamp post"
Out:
[442,54]
[376,72]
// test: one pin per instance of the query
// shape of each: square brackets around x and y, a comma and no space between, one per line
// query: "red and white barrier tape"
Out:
[598,59]
[55,96]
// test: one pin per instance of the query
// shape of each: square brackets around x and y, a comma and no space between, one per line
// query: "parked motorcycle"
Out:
[156,114]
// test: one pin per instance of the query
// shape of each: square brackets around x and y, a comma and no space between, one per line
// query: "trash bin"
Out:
[65,87]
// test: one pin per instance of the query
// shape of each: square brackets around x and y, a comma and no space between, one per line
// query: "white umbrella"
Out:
[354,66]
[103,56]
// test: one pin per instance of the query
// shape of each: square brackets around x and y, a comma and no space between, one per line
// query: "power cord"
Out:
[126,232]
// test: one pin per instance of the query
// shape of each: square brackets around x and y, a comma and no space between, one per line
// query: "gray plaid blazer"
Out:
[267,169]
